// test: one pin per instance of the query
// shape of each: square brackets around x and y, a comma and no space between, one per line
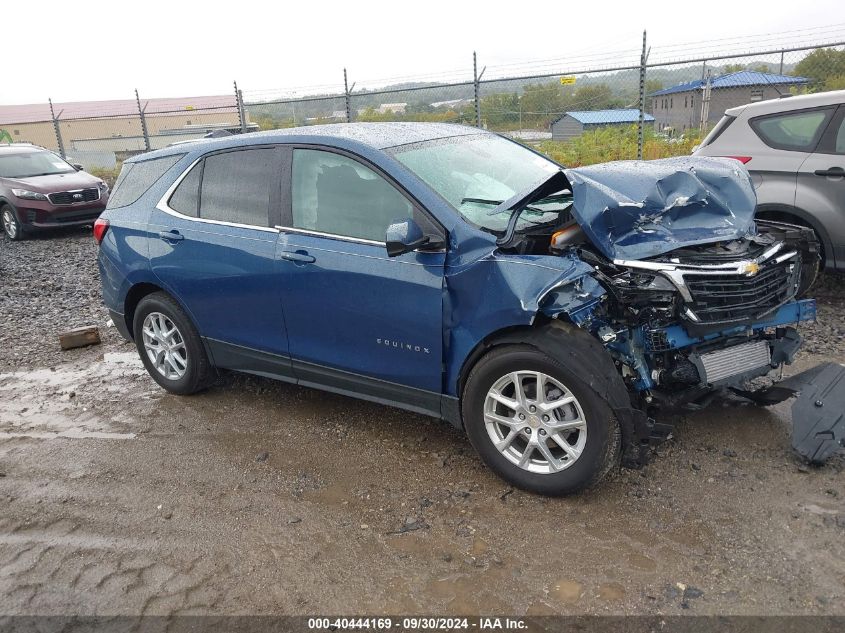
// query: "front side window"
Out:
[237,186]
[29,164]
[797,131]
[476,173]
[334,194]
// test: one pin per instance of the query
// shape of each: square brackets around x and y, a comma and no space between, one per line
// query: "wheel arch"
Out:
[134,296]
[505,336]
[795,215]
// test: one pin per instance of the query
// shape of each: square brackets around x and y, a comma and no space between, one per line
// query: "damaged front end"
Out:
[698,297]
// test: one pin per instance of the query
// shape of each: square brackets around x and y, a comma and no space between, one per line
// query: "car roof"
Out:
[376,136]
[20,148]
[786,104]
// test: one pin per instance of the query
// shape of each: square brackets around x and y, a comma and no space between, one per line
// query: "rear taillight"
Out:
[100,227]
[741,159]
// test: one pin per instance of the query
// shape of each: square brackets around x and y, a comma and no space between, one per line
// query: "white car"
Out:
[795,150]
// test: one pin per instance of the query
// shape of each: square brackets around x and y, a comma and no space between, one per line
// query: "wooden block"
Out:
[80,337]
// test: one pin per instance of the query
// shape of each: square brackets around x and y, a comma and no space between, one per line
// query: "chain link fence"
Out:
[646,103]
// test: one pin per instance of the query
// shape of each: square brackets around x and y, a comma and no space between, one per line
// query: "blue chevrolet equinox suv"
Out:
[551,313]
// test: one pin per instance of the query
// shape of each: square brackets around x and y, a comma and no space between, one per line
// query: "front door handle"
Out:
[171,236]
[299,257]
[833,171]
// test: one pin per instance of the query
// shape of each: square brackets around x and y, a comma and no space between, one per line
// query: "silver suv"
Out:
[795,151]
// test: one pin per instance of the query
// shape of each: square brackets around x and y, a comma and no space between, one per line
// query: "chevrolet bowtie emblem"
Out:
[751,269]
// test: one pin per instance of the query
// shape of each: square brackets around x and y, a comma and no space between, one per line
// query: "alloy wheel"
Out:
[535,422]
[165,346]
[10,225]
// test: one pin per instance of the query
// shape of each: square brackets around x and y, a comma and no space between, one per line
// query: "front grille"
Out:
[731,298]
[75,197]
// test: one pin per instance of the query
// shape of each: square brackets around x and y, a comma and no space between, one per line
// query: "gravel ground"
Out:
[262,497]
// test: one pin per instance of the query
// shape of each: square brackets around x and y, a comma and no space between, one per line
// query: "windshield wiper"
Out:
[498,202]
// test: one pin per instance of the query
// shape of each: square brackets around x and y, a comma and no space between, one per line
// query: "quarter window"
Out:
[136,178]
[186,198]
[236,186]
[337,195]
[797,131]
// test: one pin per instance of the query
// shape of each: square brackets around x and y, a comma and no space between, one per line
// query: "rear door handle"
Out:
[833,171]
[171,236]
[301,257]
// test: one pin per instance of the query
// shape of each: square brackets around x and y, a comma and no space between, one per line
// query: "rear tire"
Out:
[11,225]
[170,346]
[592,448]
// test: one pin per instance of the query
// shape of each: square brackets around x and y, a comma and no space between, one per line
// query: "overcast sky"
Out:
[89,50]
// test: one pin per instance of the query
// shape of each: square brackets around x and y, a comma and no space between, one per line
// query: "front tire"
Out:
[536,424]
[11,225]
[170,346]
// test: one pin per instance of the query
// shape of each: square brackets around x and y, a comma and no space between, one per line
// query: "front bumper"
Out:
[640,347]
[37,214]
[40,219]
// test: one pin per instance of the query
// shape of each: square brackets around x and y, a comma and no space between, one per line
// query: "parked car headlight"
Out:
[103,187]
[28,195]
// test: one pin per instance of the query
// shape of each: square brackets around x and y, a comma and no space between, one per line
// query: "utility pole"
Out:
[641,118]
[144,130]
[705,104]
[56,129]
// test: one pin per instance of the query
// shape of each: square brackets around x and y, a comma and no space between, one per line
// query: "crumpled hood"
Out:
[638,209]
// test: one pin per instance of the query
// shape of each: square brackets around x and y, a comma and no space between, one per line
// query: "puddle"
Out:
[566,591]
[611,591]
[72,401]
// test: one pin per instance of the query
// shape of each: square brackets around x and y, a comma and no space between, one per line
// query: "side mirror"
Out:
[77,166]
[404,237]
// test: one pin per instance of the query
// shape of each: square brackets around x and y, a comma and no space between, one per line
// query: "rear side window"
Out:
[237,186]
[136,178]
[796,131]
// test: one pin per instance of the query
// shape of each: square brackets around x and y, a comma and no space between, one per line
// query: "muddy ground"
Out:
[261,497]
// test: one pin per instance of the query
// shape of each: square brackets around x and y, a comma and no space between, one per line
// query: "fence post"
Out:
[143,121]
[781,63]
[641,119]
[475,78]
[347,98]
[239,100]
[57,130]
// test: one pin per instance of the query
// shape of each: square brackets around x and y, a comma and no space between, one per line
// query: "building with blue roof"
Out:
[572,124]
[679,107]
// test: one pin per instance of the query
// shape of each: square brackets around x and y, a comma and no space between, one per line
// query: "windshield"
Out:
[476,173]
[28,164]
